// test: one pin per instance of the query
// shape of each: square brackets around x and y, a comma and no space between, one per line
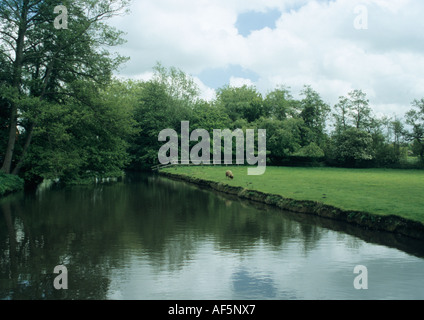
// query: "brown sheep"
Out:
[229,174]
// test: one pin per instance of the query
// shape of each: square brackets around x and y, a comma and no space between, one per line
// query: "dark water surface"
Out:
[152,238]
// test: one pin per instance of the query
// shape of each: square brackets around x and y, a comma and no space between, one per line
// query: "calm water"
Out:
[153,238]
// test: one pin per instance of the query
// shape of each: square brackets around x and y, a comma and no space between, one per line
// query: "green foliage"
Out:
[10,183]
[85,138]
[415,118]
[244,102]
[178,85]
[310,151]
[41,67]
[353,147]
[417,149]
[285,140]
[387,145]
[388,155]
[353,111]
[279,104]
[296,129]
[62,116]
[162,103]
[359,109]
[209,117]
[314,113]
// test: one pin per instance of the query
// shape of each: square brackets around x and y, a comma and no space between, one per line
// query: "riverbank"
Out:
[380,191]
[10,184]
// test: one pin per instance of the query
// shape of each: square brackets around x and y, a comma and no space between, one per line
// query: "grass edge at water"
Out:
[376,191]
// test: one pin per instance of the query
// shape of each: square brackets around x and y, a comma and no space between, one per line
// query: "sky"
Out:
[334,46]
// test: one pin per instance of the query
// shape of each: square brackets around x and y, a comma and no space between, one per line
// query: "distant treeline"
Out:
[305,131]
[63,115]
[99,131]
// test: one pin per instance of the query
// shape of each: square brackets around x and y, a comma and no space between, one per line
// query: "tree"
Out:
[415,119]
[179,86]
[353,147]
[341,111]
[387,136]
[244,102]
[314,113]
[209,116]
[42,61]
[152,115]
[398,130]
[310,151]
[353,111]
[286,140]
[162,103]
[359,109]
[84,138]
[279,104]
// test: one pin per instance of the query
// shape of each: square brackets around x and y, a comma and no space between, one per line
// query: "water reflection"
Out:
[252,286]
[152,238]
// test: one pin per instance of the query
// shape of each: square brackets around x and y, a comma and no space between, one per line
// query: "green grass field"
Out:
[378,191]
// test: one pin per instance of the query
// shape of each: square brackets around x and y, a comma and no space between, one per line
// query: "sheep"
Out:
[229,174]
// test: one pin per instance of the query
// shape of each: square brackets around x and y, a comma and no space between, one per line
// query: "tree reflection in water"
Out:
[98,230]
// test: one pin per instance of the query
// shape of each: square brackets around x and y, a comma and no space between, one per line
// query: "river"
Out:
[148,237]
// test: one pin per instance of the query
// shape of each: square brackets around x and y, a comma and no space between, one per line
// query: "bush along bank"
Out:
[10,184]
[390,223]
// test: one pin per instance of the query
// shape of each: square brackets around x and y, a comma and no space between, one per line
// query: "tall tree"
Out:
[284,138]
[353,147]
[43,60]
[279,104]
[398,130]
[314,111]
[243,102]
[415,119]
[84,138]
[178,85]
[340,114]
[359,109]
[353,111]
[162,103]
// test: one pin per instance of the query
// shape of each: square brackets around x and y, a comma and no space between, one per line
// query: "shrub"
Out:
[10,183]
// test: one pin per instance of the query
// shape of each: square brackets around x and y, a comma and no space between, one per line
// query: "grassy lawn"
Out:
[378,191]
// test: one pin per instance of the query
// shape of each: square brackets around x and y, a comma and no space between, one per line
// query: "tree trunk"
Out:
[16,83]
[24,151]
[7,163]
[32,126]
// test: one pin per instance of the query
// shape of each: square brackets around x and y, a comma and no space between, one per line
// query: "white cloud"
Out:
[206,93]
[314,43]
[238,82]
[145,76]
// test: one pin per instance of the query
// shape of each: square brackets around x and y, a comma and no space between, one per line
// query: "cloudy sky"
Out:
[334,46]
